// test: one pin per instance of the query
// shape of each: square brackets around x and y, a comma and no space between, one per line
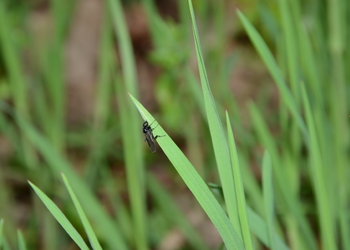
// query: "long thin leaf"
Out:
[88,229]
[1,232]
[282,182]
[276,73]
[60,217]
[268,198]
[217,133]
[319,180]
[58,164]
[260,229]
[241,202]
[133,154]
[195,183]
[21,242]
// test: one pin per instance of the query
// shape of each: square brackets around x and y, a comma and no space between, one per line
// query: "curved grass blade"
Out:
[195,183]
[325,215]
[290,199]
[57,163]
[241,202]
[268,198]
[259,228]
[111,234]
[4,245]
[220,144]
[275,72]
[1,232]
[60,217]
[133,153]
[88,229]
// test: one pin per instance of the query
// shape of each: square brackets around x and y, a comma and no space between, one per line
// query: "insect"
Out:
[150,138]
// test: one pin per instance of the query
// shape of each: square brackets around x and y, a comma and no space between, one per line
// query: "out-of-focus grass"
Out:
[304,194]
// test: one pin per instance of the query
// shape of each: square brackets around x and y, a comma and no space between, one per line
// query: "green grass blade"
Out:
[1,233]
[88,229]
[21,242]
[58,164]
[241,202]
[217,133]
[290,41]
[282,182]
[125,45]
[260,229]
[4,245]
[325,215]
[60,217]
[103,108]
[276,73]
[268,198]
[133,153]
[195,183]
[17,84]
[12,61]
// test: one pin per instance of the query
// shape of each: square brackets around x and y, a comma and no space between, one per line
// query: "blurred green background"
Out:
[66,68]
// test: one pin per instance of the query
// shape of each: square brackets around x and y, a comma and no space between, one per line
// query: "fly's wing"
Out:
[150,141]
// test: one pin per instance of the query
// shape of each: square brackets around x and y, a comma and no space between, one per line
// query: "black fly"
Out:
[150,138]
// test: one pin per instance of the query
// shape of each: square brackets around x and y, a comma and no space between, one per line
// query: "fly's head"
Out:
[145,127]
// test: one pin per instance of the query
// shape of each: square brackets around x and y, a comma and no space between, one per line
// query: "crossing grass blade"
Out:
[195,183]
[60,217]
[88,229]
[268,198]
[218,136]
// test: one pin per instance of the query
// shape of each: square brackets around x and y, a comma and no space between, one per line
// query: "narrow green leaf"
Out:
[125,45]
[195,183]
[1,232]
[282,182]
[88,229]
[259,228]
[58,164]
[60,217]
[241,202]
[268,198]
[290,41]
[217,133]
[21,242]
[276,73]
[17,85]
[319,180]
[133,153]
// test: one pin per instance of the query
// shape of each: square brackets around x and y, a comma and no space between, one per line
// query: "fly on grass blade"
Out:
[150,138]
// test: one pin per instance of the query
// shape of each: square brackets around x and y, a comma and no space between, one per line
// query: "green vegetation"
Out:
[280,169]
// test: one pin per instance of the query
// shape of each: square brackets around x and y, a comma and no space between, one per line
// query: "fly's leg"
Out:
[157,136]
[152,123]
